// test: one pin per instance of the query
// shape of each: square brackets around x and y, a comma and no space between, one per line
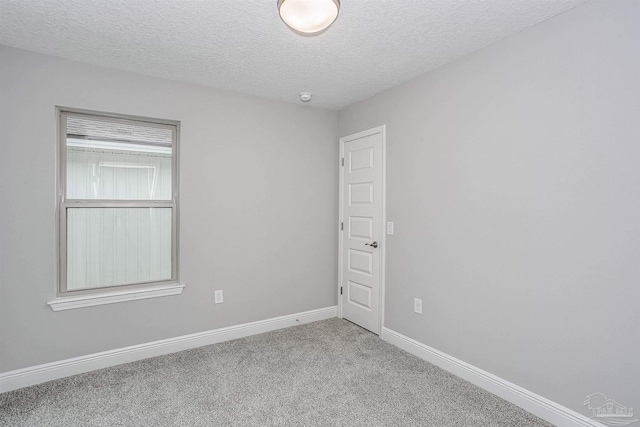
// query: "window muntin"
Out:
[118,208]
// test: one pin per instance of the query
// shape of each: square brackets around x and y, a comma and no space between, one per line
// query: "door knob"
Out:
[373,245]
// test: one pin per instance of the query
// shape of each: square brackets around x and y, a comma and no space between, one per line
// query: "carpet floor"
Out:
[327,373]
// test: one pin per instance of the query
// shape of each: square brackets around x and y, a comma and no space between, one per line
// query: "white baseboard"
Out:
[527,400]
[19,378]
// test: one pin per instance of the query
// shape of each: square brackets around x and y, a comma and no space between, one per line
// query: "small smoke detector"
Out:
[305,96]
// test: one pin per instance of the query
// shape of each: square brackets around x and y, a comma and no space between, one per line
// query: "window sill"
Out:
[70,303]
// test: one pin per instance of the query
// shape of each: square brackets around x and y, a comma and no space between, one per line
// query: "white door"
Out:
[362,206]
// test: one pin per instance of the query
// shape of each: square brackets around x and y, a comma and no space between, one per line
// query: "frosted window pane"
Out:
[111,160]
[117,246]
[117,176]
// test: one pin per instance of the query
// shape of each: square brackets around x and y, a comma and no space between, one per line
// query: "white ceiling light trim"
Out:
[308,17]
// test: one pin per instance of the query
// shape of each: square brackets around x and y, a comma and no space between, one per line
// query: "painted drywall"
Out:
[258,208]
[512,179]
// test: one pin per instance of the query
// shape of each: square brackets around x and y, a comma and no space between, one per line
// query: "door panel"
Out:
[362,208]
[359,295]
[361,194]
[360,228]
[360,262]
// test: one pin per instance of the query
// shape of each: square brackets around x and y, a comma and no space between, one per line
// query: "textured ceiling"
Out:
[243,46]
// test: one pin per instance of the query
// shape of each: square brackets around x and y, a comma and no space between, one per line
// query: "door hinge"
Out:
[340,290]
[343,161]
[342,226]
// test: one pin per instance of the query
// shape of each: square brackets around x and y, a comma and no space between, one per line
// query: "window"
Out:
[118,204]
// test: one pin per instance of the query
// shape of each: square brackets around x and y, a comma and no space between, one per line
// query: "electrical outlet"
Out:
[417,305]
[219,297]
[390,228]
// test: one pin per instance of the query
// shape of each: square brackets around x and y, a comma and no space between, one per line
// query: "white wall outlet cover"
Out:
[219,297]
[390,228]
[417,305]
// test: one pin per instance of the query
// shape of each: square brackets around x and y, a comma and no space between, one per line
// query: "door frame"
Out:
[383,224]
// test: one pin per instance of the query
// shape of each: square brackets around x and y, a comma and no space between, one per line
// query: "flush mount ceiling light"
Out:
[308,17]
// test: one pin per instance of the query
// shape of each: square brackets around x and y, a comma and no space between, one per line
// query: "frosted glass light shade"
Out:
[308,17]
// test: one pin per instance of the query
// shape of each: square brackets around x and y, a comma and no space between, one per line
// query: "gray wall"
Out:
[513,182]
[258,209]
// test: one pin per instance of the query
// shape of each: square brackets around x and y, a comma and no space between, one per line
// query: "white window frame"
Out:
[69,299]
